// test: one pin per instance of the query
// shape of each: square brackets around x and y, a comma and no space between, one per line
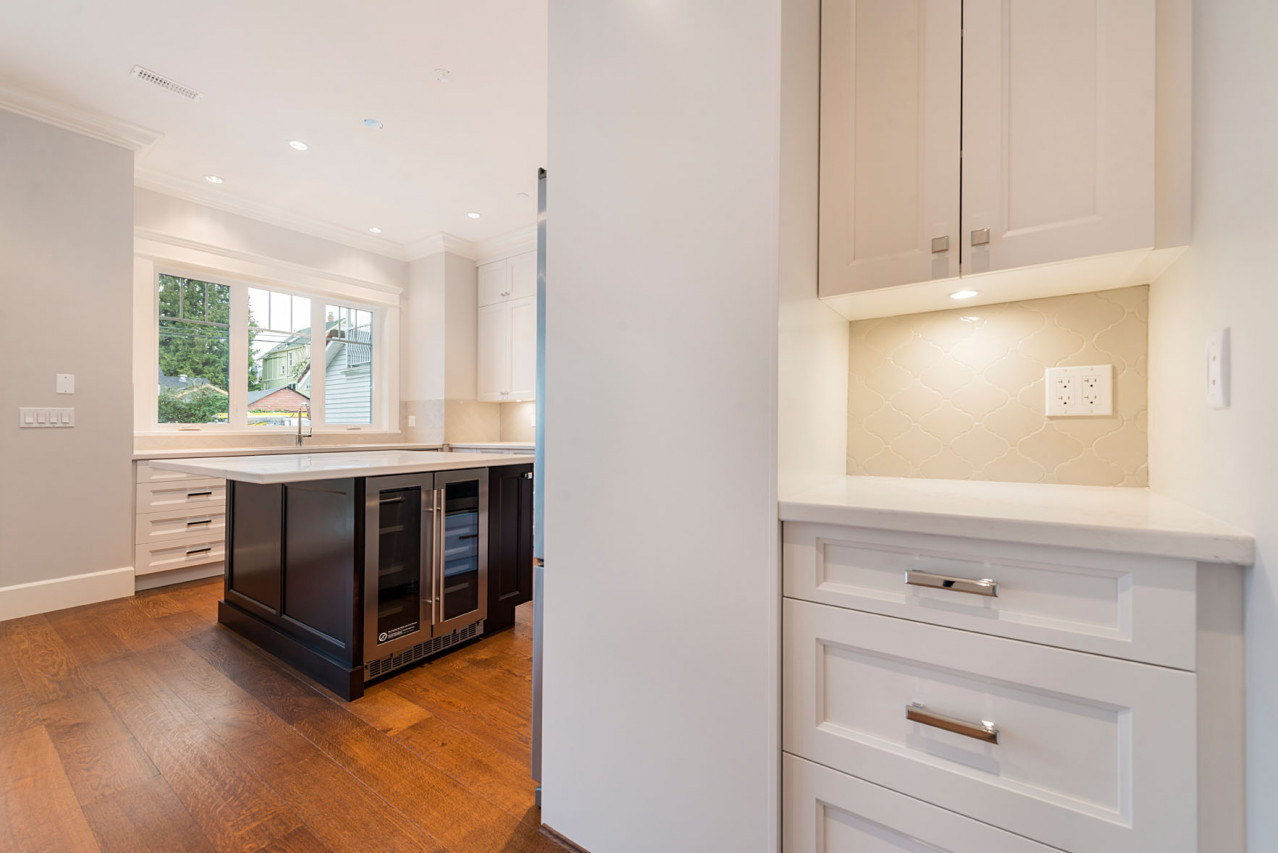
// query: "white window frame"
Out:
[385,354]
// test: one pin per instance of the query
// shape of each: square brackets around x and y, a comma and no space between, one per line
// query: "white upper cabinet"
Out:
[890,122]
[507,333]
[990,138]
[1058,130]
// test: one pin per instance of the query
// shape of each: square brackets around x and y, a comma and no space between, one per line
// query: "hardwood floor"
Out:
[142,725]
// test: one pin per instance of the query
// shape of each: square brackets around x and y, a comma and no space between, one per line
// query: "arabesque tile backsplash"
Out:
[959,394]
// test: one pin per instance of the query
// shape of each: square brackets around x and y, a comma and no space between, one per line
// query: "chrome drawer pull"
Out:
[985,586]
[982,731]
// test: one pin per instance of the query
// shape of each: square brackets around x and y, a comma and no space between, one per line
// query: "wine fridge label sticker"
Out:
[396,633]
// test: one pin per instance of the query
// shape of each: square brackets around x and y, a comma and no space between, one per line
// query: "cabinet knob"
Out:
[940,244]
[981,237]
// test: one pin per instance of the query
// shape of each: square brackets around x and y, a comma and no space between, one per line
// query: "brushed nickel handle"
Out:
[984,586]
[940,244]
[985,731]
[981,237]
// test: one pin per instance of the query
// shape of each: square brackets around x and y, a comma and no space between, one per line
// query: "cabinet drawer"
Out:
[825,811]
[1092,753]
[173,524]
[196,494]
[1122,605]
[195,550]
[147,474]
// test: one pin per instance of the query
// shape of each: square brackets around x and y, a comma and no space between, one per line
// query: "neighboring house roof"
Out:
[287,395]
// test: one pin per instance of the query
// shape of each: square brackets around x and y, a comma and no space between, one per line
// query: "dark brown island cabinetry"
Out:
[350,579]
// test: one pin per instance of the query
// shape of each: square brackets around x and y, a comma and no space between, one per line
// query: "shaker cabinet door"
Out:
[494,353]
[890,146]
[1058,131]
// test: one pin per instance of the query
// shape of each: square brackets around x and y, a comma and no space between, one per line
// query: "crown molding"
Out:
[195,192]
[105,128]
[157,245]
[433,244]
[515,242]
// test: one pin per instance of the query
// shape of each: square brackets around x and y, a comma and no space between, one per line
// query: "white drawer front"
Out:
[173,524]
[147,474]
[196,495]
[193,550]
[825,811]
[1121,605]
[1094,754]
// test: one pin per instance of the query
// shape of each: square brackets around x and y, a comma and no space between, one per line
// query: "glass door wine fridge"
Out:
[425,565]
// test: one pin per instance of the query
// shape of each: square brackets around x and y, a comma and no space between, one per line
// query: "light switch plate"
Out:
[46,418]
[66,383]
[1218,370]
[1080,391]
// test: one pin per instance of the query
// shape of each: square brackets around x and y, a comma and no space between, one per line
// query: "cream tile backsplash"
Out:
[959,394]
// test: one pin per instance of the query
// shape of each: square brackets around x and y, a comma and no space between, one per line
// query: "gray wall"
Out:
[1226,461]
[66,266]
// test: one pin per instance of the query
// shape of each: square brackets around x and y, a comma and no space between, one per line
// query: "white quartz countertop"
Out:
[1111,519]
[495,445]
[300,467]
[194,453]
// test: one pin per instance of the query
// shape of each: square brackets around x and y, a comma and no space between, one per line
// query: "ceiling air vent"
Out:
[163,82]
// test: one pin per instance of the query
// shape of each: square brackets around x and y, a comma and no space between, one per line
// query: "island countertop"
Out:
[300,467]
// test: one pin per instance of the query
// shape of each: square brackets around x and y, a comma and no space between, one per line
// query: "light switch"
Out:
[1080,391]
[66,383]
[1218,370]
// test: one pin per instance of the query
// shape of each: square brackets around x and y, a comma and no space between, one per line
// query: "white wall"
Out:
[460,307]
[66,226]
[422,344]
[813,351]
[1226,462]
[661,598]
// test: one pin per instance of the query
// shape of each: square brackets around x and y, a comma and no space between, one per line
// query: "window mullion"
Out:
[238,384]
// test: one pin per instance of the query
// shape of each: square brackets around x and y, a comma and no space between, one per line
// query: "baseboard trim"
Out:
[562,840]
[28,599]
[193,573]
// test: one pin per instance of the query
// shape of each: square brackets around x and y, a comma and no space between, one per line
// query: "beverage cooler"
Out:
[425,564]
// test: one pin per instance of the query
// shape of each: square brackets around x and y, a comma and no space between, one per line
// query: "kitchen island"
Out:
[348,566]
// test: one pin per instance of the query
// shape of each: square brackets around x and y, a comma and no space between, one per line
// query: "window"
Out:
[279,364]
[248,357]
[194,352]
[348,365]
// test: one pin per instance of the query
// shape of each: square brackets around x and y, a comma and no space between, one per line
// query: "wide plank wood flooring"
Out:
[142,725]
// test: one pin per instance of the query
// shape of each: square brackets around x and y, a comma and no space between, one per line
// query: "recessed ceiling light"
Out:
[373,123]
[473,215]
[298,144]
[213,179]
[964,294]
[374,230]
[443,75]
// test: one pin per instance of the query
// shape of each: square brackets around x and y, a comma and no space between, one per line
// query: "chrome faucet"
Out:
[310,430]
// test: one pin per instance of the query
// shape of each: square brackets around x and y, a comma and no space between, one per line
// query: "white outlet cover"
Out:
[1218,370]
[66,383]
[1086,391]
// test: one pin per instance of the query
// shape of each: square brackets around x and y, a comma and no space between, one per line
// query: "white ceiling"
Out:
[275,70]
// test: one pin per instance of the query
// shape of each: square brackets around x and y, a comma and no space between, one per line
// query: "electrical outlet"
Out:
[1080,391]
[1218,370]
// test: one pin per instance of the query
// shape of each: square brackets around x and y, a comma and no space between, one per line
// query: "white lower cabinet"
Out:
[954,694]
[832,812]
[1092,753]
[179,523]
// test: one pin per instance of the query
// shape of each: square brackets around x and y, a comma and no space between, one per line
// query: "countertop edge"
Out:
[465,460]
[207,452]
[1233,549]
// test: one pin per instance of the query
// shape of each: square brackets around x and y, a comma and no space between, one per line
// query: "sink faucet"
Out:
[305,407]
